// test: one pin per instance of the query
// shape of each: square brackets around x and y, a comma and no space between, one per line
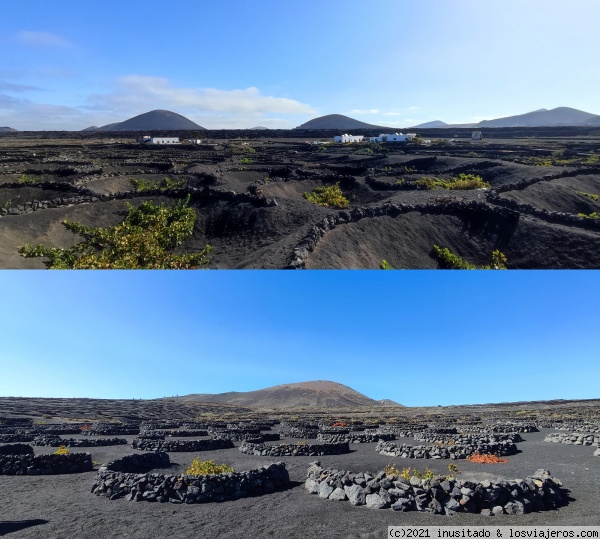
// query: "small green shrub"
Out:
[593,215]
[62,450]
[589,195]
[409,472]
[207,467]
[24,178]
[461,182]
[453,471]
[328,196]
[141,241]
[150,185]
[247,161]
[448,260]
[385,265]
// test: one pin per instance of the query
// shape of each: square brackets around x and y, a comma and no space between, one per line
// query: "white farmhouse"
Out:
[393,137]
[159,140]
[348,138]
[476,135]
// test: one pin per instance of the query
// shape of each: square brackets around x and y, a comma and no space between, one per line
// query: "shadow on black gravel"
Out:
[15,526]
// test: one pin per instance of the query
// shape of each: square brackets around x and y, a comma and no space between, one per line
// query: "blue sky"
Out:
[417,337]
[70,64]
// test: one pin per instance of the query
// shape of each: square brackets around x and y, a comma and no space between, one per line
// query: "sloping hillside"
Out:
[322,394]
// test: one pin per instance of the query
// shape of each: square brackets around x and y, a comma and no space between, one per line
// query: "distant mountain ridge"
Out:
[434,123]
[315,394]
[336,121]
[558,117]
[7,130]
[155,120]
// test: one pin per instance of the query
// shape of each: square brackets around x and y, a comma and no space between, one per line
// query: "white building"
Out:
[476,135]
[348,138]
[159,140]
[392,137]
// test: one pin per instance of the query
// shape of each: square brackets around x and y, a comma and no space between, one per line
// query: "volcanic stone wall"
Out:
[468,439]
[442,496]
[137,463]
[294,450]
[111,430]
[577,427]
[12,438]
[573,438]
[444,452]
[317,231]
[28,464]
[55,441]
[355,437]
[190,489]
[143,444]
[81,195]
[16,449]
[247,436]
[185,433]
[302,432]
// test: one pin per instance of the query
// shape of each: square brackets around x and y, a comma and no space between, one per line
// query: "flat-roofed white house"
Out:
[392,137]
[476,135]
[348,138]
[159,140]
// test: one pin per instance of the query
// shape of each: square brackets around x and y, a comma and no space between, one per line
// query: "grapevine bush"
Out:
[328,196]
[207,467]
[141,241]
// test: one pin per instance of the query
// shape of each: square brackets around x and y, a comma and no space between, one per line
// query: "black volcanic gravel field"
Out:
[62,506]
[248,196]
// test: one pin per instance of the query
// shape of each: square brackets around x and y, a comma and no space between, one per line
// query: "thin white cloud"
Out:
[361,111]
[25,115]
[42,39]
[142,93]
[210,107]
[16,88]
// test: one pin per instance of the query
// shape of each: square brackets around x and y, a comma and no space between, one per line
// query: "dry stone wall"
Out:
[139,463]
[16,449]
[190,489]
[56,441]
[302,432]
[355,437]
[143,444]
[27,464]
[407,451]
[294,450]
[12,438]
[538,492]
[468,439]
[573,438]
